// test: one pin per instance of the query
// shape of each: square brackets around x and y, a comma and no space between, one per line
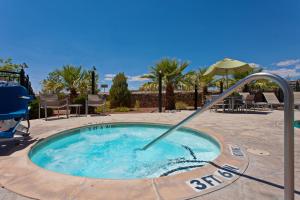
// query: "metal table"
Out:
[77,108]
[231,100]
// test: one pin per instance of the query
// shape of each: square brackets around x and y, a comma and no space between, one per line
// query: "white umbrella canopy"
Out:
[228,66]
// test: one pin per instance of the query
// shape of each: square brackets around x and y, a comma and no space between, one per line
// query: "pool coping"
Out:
[20,175]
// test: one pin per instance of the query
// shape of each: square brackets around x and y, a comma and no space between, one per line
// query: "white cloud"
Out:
[109,77]
[137,78]
[255,65]
[284,72]
[297,66]
[285,63]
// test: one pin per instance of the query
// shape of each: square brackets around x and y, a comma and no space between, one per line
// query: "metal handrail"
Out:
[288,124]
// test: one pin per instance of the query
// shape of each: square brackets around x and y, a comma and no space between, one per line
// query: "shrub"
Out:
[102,109]
[119,93]
[80,100]
[34,110]
[122,109]
[137,105]
[181,105]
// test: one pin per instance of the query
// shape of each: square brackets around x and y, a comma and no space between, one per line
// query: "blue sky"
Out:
[129,36]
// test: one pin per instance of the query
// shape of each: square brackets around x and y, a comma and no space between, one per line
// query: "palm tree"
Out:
[189,81]
[172,73]
[261,85]
[219,82]
[197,77]
[149,86]
[70,78]
[85,83]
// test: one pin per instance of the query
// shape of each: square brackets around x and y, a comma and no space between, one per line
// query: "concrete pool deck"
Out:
[257,134]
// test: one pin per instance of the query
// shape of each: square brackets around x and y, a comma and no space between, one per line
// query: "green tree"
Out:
[69,78]
[7,65]
[262,85]
[255,85]
[172,73]
[53,83]
[119,94]
[238,76]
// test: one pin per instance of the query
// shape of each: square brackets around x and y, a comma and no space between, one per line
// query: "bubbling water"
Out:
[112,151]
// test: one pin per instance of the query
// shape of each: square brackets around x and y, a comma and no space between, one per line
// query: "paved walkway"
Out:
[261,132]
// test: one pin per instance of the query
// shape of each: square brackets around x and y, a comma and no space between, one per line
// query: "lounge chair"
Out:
[221,104]
[94,101]
[297,99]
[272,99]
[242,103]
[52,101]
[13,109]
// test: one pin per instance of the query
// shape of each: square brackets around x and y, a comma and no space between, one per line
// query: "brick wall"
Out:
[150,99]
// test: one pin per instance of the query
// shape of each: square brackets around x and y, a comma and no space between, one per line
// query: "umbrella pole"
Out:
[226,79]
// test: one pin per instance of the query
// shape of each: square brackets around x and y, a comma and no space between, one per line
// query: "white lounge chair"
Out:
[272,99]
[297,99]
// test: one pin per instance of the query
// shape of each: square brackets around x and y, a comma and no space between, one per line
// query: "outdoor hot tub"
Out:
[110,151]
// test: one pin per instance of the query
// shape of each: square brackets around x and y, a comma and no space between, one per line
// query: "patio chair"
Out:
[241,103]
[94,101]
[272,99]
[244,95]
[13,109]
[297,99]
[52,101]
[248,103]
[221,104]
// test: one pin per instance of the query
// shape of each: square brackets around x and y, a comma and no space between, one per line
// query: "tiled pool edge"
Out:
[92,188]
[170,192]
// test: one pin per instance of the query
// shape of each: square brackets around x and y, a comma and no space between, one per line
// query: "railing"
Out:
[10,75]
[19,77]
[288,124]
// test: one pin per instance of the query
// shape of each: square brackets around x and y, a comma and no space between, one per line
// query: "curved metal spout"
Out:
[288,124]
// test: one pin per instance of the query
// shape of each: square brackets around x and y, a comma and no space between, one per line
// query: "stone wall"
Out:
[150,99]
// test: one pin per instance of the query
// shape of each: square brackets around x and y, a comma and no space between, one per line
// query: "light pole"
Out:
[196,97]
[160,91]
[93,79]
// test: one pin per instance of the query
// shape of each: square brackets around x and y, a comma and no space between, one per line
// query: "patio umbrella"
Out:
[227,66]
